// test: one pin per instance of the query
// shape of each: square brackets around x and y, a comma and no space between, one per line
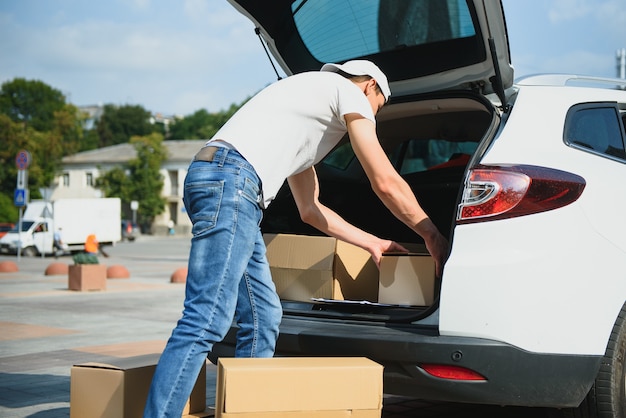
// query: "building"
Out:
[81,170]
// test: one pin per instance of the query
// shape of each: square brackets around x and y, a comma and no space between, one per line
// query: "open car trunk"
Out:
[446,61]
[430,140]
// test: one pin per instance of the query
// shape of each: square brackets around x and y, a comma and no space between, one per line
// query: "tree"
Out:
[201,124]
[34,117]
[147,181]
[12,139]
[90,140]
[116,183]
[8,211]
[32,103]
[140,179]
[119,123]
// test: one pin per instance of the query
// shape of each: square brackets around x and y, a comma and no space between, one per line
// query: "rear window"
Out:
[338,30]
[413,156]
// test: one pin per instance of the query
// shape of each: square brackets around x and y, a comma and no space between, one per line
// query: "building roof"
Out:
[178,150]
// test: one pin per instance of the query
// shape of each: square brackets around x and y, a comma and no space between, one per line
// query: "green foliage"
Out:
[115,183]
[144,182]
[34,117]
[145,175]
[13,137]
[85,258]
[8,212]
[119,123]
[32,103]
[201,124]
[90,140]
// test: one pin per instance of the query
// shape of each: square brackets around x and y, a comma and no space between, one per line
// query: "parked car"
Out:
[524,177]
[5,227]
[129,230]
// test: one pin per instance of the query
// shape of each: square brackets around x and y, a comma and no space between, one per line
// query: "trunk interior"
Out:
[430,141]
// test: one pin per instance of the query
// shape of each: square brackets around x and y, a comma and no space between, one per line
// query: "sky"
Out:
[175,57]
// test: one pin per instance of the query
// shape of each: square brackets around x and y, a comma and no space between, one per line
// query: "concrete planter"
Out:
[87,277]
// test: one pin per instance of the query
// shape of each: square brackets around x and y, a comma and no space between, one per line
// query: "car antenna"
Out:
[257,30]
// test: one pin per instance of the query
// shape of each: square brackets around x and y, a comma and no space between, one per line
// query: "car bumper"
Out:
[512,376]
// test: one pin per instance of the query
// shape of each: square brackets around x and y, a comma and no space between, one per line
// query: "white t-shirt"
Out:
[292,124]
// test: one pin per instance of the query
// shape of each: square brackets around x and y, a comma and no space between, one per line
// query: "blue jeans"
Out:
[228,278]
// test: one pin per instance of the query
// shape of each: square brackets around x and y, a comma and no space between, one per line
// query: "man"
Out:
[93,247]
[279,134]
[91,244]
[58,243]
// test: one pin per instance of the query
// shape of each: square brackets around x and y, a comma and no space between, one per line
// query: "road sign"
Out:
[19,198]
[22,160]
[22,179]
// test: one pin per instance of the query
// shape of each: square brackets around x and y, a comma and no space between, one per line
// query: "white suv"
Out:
[526,179]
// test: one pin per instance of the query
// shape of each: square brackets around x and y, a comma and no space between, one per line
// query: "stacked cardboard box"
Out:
[306,267]
[120,389]
[299,387]
[407,279]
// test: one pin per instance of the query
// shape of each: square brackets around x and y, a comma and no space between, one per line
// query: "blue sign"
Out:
[19,198]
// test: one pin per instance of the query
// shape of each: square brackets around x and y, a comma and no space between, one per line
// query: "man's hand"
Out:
[438,249]
[436,244]
[385,246]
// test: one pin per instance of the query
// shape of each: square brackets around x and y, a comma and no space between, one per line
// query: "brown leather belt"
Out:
[206,153]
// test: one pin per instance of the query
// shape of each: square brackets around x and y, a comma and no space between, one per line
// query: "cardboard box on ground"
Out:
[299,387]
[120,389]
[306,267]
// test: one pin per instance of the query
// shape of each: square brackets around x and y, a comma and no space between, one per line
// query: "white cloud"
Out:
[579,62]
[612,16]
[565,10]
[170,57]
[196,9]
[606,15]
[141,4]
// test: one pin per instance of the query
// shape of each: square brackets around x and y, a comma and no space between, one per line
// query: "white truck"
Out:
[76,218]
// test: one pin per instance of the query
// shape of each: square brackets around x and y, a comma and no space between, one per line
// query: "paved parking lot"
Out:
[46,328]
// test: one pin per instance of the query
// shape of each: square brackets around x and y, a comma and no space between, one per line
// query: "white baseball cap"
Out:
[362,67]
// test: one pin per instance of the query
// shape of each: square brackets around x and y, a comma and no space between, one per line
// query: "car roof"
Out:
[421,45]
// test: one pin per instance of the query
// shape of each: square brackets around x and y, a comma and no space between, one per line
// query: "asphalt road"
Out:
[67,327]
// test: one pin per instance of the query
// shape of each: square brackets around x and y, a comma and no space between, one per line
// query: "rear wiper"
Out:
[299,7]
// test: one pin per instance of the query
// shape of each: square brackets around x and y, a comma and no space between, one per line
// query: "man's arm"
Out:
[392,189]
[305,189]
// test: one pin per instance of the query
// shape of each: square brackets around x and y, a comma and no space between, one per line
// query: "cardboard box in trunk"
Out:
[290,387]
[407,279]
[120,390]
[87,277]
[305,267]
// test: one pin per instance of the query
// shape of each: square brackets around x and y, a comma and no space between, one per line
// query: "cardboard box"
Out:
[87,277]
[305,267]
[209,412]
[120,390]
[407,279]
[290,387]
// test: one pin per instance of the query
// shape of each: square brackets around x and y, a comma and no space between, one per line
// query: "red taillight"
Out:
[499,192]
[445,371]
